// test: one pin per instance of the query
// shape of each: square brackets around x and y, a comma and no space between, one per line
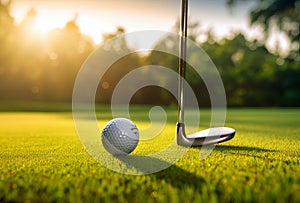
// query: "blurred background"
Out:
[254,45]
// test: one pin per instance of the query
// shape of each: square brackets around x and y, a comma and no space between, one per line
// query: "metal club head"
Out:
[205,137]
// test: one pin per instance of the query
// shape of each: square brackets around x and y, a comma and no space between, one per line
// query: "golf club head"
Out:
[205,137]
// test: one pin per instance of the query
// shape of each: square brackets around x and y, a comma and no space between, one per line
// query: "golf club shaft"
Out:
[182,59]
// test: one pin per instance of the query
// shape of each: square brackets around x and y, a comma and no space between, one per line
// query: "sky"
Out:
[95,17]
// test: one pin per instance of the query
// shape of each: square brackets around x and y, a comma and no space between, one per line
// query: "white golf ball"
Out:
[120,136]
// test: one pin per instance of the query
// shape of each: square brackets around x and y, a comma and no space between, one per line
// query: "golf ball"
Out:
[120,136]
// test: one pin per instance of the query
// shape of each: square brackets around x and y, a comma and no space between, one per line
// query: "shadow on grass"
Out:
[180,178]
[224,148]
[172,174]
[177,176]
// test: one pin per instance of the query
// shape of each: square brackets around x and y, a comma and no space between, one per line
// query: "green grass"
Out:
[42,160]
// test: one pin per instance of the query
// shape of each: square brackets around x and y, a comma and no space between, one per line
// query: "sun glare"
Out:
[97,17]
[46,18]
[45,23]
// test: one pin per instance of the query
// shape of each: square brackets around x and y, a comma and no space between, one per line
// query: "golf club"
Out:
[204,137]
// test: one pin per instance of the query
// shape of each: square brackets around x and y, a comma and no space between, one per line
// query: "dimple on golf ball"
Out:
[120,136]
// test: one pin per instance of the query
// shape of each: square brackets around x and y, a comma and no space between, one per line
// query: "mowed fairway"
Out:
[42,160]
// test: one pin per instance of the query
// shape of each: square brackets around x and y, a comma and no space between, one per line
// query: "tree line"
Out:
[44,68]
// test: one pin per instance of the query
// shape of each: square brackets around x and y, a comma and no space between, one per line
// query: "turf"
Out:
[42,160]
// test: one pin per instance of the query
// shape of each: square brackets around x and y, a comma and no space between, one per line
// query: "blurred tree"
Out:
[289,76]
[6,23]
[7,44]
[44,69]
[170,42]
[115,45]
[249,72]
[249,75]
[65,51]
[27,58]
[120,44]
[280,15]
[36,67]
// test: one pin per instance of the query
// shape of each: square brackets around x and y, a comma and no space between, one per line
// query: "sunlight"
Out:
[44,22]
[94,17]
[98,17]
